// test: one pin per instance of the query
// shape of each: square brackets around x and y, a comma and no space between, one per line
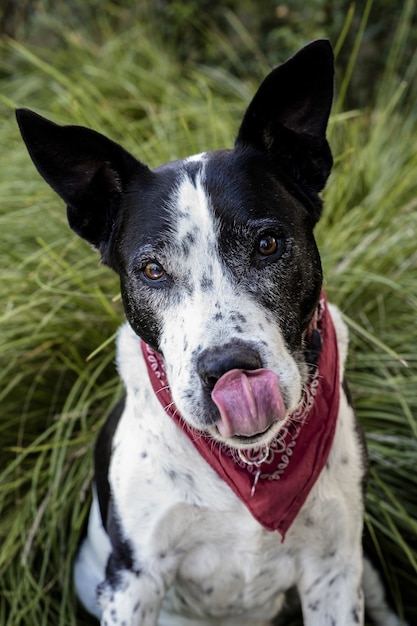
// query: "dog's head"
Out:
[216,255]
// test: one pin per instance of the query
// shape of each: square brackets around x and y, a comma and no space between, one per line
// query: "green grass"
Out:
[59,308]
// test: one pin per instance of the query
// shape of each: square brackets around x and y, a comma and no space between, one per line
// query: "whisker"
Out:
[168,407]
[165,388]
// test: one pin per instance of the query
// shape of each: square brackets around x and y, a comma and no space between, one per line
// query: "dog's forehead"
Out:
[221,186]
[185,211]
[199,201]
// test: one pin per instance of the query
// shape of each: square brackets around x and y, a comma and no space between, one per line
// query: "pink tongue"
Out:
[248,402]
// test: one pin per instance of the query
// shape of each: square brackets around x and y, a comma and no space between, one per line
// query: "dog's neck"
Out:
[274,481]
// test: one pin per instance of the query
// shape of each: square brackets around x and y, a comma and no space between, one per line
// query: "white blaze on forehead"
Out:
[198,252]
[194,158]
[193,205]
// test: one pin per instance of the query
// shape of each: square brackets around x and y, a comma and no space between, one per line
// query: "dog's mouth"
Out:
[250,405]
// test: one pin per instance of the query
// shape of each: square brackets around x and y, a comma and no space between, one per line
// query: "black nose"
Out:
[215,362]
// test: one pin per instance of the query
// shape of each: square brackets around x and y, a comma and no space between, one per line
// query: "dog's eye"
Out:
[153,271]
[267,245]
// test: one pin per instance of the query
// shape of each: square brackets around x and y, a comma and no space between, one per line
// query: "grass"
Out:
[60,309]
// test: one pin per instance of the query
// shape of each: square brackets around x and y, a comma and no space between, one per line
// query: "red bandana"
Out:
[273,483]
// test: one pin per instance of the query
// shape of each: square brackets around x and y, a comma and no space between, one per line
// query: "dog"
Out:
[232,472]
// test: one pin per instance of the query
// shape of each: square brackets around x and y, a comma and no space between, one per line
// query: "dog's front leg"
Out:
[333,597]
[134,599]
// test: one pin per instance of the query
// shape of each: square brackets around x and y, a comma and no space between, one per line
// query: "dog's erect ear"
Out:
[88,171]
[288,116]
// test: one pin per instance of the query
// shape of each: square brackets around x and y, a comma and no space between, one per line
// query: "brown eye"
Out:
[268,245]
[153,271]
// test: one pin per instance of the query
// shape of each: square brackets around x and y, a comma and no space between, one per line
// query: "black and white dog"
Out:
[232,472]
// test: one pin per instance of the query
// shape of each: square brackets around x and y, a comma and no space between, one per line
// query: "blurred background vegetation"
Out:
[168,78]
[212,32]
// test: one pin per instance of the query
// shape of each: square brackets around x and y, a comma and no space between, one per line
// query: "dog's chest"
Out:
[225,577]
[186,524]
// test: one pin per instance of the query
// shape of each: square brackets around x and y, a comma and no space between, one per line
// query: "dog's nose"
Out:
[215,362]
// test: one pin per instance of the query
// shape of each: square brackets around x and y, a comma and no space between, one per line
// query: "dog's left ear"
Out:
[287,118]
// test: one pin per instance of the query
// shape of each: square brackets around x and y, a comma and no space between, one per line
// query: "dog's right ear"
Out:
[88,171]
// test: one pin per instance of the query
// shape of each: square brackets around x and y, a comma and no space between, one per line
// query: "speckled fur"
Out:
[168,542]
[198,555]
